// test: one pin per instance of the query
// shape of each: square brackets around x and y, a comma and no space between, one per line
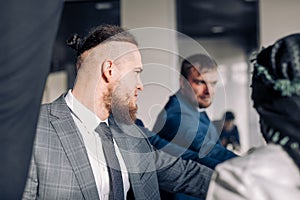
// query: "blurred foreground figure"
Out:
[270,172]
[28,30]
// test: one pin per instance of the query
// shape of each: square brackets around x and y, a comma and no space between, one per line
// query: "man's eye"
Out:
[138,71]
[200,82]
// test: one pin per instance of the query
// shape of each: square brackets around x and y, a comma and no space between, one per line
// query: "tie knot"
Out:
[104,131]
[202,113]
[203,116]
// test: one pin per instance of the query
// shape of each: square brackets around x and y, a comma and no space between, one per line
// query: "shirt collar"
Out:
[201,109]
[87,117]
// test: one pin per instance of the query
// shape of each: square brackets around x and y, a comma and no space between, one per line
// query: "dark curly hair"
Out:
[276,93]
[278,66]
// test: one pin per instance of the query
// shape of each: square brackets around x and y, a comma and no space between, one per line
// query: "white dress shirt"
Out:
[87,121]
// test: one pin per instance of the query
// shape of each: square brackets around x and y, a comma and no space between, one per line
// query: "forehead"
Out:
[132,56]
[128,54]
[211,74]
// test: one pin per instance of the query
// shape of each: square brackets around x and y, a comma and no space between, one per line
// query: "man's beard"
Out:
[120,107]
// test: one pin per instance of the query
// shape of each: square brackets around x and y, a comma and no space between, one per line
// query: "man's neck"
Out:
[187,99]
[94,103]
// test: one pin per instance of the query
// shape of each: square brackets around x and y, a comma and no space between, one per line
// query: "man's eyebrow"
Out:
[197,79]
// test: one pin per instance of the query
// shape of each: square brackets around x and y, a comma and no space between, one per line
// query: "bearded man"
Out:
[87,146]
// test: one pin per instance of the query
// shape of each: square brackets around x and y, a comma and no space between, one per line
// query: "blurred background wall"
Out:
[229,30]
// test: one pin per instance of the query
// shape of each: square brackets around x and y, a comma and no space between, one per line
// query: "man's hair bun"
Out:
[75,42]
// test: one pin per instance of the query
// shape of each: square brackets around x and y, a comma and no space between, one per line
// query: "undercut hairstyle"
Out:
[198,61]
[99,35]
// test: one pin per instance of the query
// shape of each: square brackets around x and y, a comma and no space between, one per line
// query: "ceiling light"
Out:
[217,29]
[103,6]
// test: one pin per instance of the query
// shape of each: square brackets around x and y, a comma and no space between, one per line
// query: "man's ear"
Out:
[106,69]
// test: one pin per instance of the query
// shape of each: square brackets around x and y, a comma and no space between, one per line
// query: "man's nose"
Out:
[210,88]
[140,85]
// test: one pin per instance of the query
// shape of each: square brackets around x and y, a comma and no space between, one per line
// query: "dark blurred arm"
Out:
[28,30]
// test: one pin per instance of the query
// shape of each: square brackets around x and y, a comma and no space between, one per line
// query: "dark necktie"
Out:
[116,191]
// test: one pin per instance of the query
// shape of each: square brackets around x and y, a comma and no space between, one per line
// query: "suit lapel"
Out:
[133,146]
[73,146]
[138,157]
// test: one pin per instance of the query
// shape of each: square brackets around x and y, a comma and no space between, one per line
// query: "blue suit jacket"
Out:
[182,129]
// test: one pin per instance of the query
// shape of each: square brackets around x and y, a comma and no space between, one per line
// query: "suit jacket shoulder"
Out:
[60,168]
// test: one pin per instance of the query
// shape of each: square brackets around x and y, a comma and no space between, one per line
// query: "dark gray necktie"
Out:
[116,191]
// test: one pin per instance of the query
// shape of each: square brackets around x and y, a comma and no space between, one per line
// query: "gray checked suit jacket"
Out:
[60,168]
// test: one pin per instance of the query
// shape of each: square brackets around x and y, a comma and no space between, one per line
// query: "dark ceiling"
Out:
[79,16]
[196,18]
[219,18]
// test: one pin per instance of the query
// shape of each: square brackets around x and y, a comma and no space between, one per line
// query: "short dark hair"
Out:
[229,115]
[203,60]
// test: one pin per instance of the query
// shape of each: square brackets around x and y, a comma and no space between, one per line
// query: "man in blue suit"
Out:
[184,122]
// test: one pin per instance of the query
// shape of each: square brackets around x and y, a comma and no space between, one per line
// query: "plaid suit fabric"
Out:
[59,164]
[60,167]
